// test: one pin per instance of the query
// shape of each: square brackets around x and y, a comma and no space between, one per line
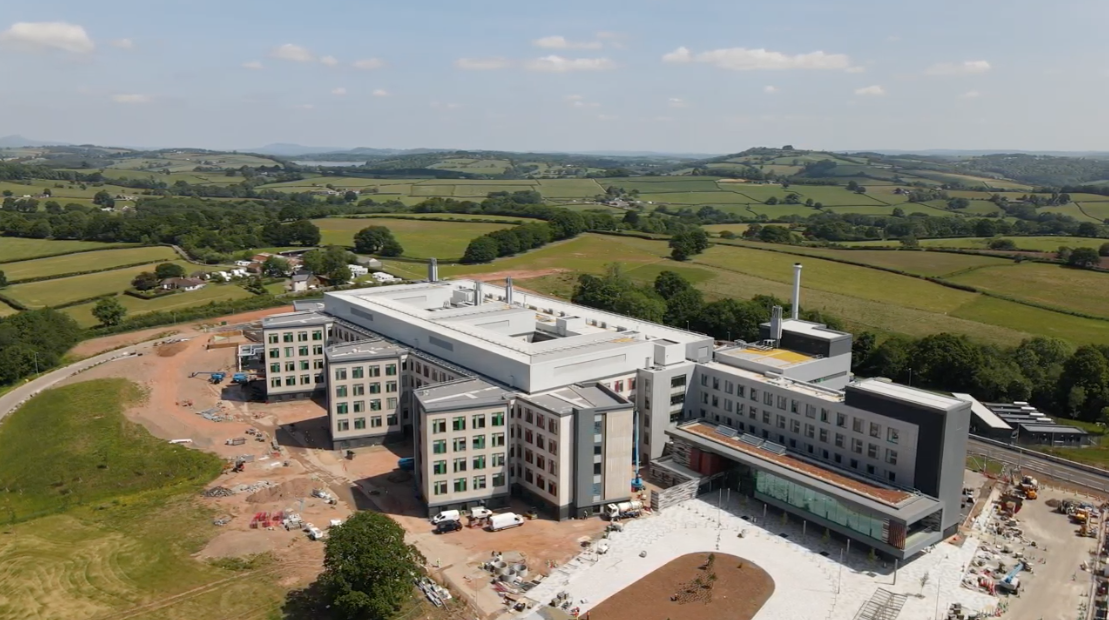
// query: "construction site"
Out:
[1025,551]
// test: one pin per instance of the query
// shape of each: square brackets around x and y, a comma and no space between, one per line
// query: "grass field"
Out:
[65,290]
[445,240]
[130,542]
[85,261]
[865,299]
[716,229]
[1038,244]
[1052,285]
[923,263]
[82,313]
[17,248]
[105,456]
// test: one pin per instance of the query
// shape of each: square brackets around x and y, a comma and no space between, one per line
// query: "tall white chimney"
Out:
[776,323]
[796,310]
[508,290]
[479,294]
[433,271]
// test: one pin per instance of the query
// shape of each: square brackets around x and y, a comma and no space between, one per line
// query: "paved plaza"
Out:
[807,584]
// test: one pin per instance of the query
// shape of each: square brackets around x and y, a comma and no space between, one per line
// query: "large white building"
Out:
[506,393]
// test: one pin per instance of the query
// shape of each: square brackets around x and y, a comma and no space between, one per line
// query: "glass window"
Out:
[677,382]
[459,423]
[498,480]
[875,429]
[304,365]
[375,421]
[303,350]
[290,366]
[275,353]
[439,426]
[821,505]
[856,445]
[891,456]
[391,403]
[375,388]
[479,461]
[357,372]
[459,465]
[841,420]
[302,336]
[891,435]
[824,435]
[498,459]
[460,444]
[359,423]
[287,336]
[391,370]
[498,440]
[340,374]
[342,425]
[479,442]
[479,482]
[498,419]
[441,487]
[794,426]
[440,468]
[871,451]
[390,386]
[478,421]
[288,351]
[391,419]
[375,371]
[857,425]
[275,367]
[317,349]
[839,440]
[341,391]
[317,335]
[359,389]
[459,485]
[274,338]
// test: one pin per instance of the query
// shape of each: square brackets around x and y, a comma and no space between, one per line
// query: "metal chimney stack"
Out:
[796,310]
[433,271]
[776,323]
[479,294]
[508,290]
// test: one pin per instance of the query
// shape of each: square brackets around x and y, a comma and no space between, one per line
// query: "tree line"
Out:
[1047,372]
[34,341]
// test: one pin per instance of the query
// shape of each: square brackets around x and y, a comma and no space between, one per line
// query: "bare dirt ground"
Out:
[96,346]
[302,461]
[739,591]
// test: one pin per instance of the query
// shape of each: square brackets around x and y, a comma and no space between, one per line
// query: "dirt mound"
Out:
[238,544]
[291,490]
[169,350]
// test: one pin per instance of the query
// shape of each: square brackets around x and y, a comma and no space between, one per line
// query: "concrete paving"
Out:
[807,583]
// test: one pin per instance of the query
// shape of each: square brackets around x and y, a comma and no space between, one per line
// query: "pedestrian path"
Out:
[810,582]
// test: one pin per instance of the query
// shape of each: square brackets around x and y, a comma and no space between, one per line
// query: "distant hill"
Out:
[282,149]
[17,141]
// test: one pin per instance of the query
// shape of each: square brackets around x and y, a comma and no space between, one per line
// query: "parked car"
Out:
[505,521]
[446,515]
[446,527]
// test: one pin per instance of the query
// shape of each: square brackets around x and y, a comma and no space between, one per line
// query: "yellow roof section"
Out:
[792,357]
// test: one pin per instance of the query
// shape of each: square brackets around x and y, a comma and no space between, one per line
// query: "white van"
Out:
[505,521]
[446,515]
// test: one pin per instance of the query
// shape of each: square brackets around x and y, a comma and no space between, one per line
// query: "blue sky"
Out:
[659,75]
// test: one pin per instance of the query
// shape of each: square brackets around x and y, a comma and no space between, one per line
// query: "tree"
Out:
[145,281]
[947,361]
[480,250]
[861,189]
[566,224]
[669,283]
[1088,229]
[1083,383]
[350,196]
[852,186]
[1002,244]
[109,311]
[687,243]
[1103,250]
[304,232]
[377,240]
[861,348]
[3,280]
[331,263]
[1084,258]
[1063,253]
[727,234]
[275,267]
[368,568]
[773,200]
[103,199]
[169,270]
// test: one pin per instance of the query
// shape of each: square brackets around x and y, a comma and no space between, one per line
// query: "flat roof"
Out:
[465,393]
[295,319]
[362,350]
[774,357]
[810,389]
[871,494]
[564,400]
[436,306]
[813,330]
[906,393]
[1053,429]
[983,413]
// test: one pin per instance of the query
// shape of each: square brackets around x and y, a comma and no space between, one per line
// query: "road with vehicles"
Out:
[1077,475]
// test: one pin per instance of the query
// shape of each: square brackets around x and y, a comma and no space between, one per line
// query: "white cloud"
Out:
[304,106]
[585,104]
[681,54]
[743,59]
[676,102]
[607,117]
[123,44]
[970,94]
[295,53]
[856,69]
[573,97]
[482,64]
[662,119]
[445,106]
[561,43]
[330,61]
[872,91]
[381,92]
[339,92]
[36,36]
[253,65]
[558,64]
[369,64]
[967,67]
[770,90]
[132,99]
